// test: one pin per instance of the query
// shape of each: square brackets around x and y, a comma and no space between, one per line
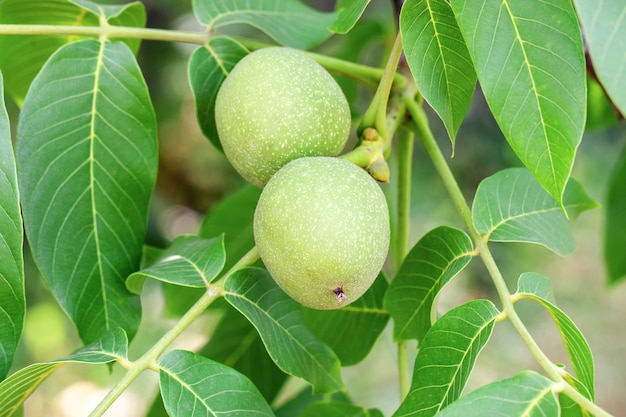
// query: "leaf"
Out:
[296,405]
[350,12]
[233,216]
[511,206]
[17,388]
[279,321]
[208,67]
[438,256]
[351,331]
[530,64]
[194,385]
[87,162]
[190,261]
[447,356]
[337,409]
[604,28]
[538,288]
[615,223]
[237,344]
[527,394]
[569,408]
[289,22]
[12,301]
[438,59]
[21,57]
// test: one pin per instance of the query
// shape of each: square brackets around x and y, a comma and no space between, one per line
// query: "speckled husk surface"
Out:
[277,104]
[322,224]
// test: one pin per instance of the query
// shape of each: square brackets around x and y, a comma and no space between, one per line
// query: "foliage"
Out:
[84,166]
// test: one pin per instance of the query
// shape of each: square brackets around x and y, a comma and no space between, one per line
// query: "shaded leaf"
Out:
[531,67]
[190,261]
[569,408]
[604,27]
[350,12]
[337,409]
[351,331]
[21,57]
[434,260]
[615,222]
[233,216]
[12,301]
[600,111]
[527,394]
[511,206]
[438,59]
[535,286]
[191,384]
[87,162]
[298,403]
[447,356]
[279,321]
[237,344]
[17,388]
[208,67]
[289,22]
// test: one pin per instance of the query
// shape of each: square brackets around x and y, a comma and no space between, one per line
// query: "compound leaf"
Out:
[279,321]
[531,67]
[351,331]
[194,385]
[511,206]
[434,260]
[438,59]
[12,301]
[289,22]
[539,288]
[208,67]
[446,358]
[190,261]
[87,162]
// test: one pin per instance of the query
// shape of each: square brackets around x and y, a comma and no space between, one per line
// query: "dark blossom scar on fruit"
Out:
[341,296]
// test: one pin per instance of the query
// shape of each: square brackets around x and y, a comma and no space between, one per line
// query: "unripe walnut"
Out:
[277,104]
[322,229]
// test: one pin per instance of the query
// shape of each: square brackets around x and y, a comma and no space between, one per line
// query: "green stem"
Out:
[405,160]
[149,359]
[430,145]
[107,31]
[376,114]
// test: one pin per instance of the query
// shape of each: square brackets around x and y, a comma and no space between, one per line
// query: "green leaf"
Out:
[17,388]
[351,331]
[615,223]
[531,67]
[604,28]
[194,385]
[299,402]
[527,394]
[190,261]
[438,59]
[289,22]
[447,356]
[233,216]
[21,57]
[600,111]
[208,67]
[337,409]
[511,206]
[12,301]
[434,260]
[538,288]
[569,408]
[236,343]
[279,321]
[350,12]
[87,162]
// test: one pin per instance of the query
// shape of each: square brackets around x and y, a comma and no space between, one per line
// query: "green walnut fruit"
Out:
[322,229]
[277,104]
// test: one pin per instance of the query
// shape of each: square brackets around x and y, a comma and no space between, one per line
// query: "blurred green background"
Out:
[193,177]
